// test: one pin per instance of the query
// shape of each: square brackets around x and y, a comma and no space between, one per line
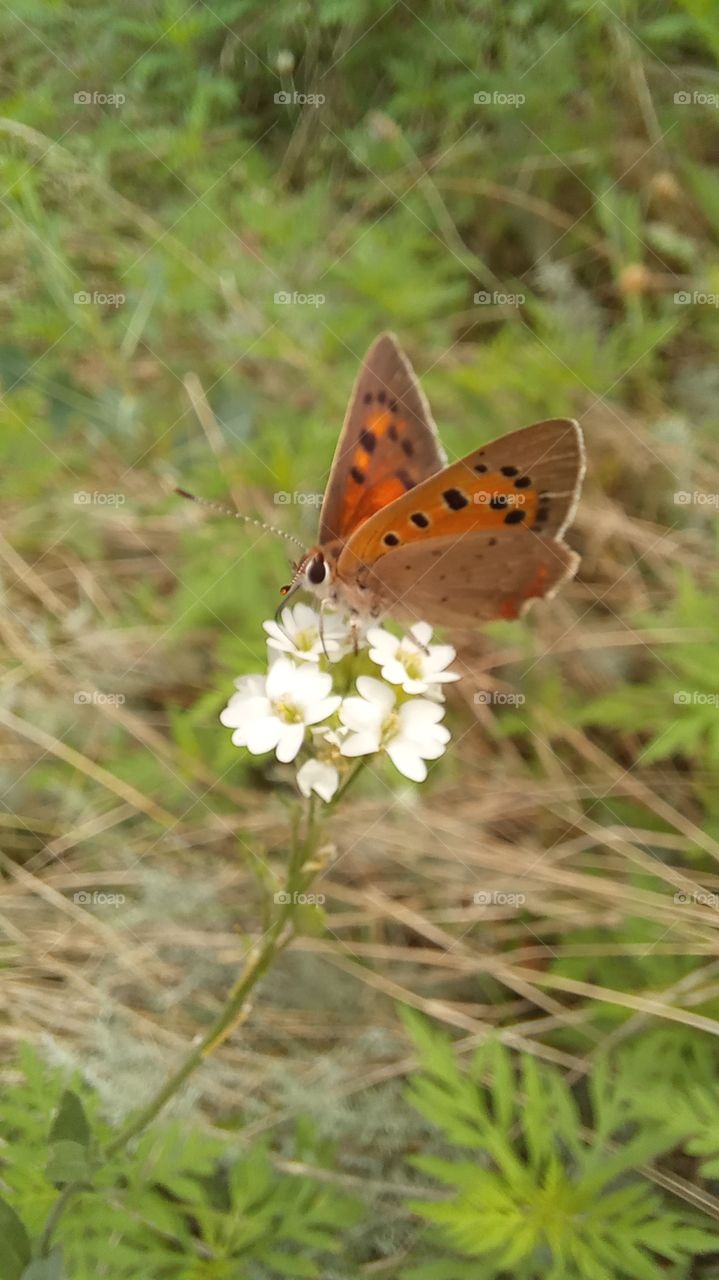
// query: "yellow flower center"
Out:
[389,728]
[412,663]
[287,712]
[304,640]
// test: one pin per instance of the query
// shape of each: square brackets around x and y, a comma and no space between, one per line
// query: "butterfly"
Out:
[403,532]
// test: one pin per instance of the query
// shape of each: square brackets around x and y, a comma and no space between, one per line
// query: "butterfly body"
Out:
[404,532]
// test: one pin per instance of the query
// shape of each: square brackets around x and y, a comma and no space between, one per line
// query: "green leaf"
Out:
[49,1268]
[67,1162]
[71,1123]
[14,1243]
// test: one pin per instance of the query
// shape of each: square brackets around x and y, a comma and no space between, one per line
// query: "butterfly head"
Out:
[312,573]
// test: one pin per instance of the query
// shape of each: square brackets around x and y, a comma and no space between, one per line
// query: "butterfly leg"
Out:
[323,605]
[355,630]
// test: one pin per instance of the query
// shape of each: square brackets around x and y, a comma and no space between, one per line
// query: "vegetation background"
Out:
[528,194]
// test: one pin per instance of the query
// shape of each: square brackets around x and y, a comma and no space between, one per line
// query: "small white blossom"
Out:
[271,713]
[318,776]
[302,632]
[409,734]
[411,661]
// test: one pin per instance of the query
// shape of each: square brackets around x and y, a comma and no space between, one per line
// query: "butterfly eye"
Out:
[318,571]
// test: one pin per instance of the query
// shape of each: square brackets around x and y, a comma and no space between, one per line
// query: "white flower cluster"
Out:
[305,708]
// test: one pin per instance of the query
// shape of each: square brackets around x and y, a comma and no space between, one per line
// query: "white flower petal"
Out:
[383,641]
[278,637]
[422,633]
[261,735]
[405,758]
[280,677]
[361,744]
[376,692]
[417,716]
[291,738]
[358,714]
[321,710]
[392,669]
[429,750]
[317,776]
[440,656]
[311,686]
[240,709]
[252,684]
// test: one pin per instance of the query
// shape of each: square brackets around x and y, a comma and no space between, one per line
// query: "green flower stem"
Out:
[234,1012]
[362,760]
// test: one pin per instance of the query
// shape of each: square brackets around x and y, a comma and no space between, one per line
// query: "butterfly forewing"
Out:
[388,443]
[526,481]
[479,578]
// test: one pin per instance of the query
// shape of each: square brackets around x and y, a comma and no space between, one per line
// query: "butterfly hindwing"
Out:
[388,443]
[526,481]
[479,578]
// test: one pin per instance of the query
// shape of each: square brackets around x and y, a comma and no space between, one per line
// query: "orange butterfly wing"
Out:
[479,578]
[528,480]
[388,443]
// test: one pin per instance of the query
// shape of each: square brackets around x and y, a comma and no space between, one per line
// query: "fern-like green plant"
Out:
[531,1192]
[181,1205]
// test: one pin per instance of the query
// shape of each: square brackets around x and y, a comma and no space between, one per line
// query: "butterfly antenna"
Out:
[236,515]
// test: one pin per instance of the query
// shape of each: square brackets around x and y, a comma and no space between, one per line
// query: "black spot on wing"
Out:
[455,499]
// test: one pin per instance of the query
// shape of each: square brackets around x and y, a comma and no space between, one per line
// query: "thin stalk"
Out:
[233,1013]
